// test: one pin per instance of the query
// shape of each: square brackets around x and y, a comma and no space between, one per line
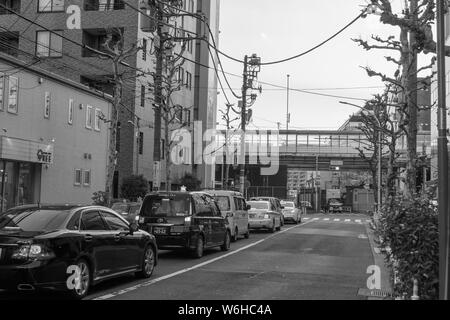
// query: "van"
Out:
[186,220]
[234,208]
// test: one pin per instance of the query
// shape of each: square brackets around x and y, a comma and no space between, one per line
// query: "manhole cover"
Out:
[375,293]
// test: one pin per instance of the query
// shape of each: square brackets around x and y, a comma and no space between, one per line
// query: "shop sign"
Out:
[26,150]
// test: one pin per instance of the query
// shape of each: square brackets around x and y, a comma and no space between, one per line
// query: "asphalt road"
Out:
[326,257]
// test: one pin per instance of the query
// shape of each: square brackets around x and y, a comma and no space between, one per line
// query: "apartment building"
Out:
[98,20]
[53,144]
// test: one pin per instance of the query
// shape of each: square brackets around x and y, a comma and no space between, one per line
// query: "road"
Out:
[326,257]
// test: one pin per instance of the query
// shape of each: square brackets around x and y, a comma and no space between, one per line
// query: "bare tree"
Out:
[117,53]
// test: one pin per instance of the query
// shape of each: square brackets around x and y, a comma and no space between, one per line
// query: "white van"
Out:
[233,206]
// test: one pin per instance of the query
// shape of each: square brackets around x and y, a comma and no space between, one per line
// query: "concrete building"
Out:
[98,20]
[53,143]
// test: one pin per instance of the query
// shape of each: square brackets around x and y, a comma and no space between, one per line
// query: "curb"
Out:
[380,262]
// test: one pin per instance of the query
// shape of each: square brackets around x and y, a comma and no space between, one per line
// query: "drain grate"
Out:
[375,293]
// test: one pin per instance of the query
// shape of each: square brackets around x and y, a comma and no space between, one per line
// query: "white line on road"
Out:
[315,219]
[347,220]
[358,221]
[326,219]
[305,218]
[147,283]
[337,220]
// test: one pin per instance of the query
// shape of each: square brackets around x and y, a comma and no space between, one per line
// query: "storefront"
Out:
[21,162]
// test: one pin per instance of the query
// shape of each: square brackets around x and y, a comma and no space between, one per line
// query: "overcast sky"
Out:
[280,29]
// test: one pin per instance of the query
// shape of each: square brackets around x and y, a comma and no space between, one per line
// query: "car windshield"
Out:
[33,220]
[259,205]
[288,204]
[166,206]
[223,202]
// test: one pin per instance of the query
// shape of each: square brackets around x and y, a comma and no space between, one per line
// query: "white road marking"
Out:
[362,236]
[337,220]
[150,282]
[305,218]
[367,220]
[315,219]
[326,219]
[358,221]
[347,220]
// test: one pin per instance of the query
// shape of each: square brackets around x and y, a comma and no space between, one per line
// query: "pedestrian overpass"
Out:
[307,150]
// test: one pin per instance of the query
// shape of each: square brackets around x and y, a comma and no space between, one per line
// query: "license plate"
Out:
[157,230]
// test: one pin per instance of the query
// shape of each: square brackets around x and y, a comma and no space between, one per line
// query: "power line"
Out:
[317,46]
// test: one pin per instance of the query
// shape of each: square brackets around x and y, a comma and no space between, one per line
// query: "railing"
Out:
[116,5]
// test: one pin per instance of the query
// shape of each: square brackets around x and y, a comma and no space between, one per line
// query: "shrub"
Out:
[100,198]
[134,187]
[190,182]
[410,232]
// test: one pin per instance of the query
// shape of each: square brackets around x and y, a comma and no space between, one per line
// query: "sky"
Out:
[279,29]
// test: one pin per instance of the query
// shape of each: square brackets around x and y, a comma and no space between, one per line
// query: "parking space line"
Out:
[150,282]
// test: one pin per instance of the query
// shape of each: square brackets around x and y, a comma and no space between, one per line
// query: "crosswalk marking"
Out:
[337,220]
[315,219]
[347,220]
[326,219]
[305,218]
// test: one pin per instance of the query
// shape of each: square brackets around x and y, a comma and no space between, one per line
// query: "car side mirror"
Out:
[133,228]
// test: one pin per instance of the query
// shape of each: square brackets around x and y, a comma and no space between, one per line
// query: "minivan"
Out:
[188,220]
[234,208]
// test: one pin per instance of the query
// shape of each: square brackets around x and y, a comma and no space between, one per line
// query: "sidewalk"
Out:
[379,261]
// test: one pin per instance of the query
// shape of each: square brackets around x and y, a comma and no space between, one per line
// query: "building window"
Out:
[191,5]
[142,96]
[47,101]
[87,178]
[2,86]
[187,116]
[141,143]
[9,43]
[88,117]
[13,87]
[188,80]
[48,44]
[118,137]
[13,5]
[179,114]
[70,113]
[163,148]
[51,6]
[77,181]
[96,39]
[181,75]
[97,118]
[144,49]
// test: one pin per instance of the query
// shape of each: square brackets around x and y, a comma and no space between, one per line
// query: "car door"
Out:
[99,243]
[217,223]
[203,217]
[127,246]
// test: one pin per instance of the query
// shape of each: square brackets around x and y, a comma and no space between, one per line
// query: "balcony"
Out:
[96,38]
[14,5]
[103,5]
[9,43]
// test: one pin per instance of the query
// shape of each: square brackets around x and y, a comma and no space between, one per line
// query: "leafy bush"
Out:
[134,187]
[410,233]
[100,198]
[190,182]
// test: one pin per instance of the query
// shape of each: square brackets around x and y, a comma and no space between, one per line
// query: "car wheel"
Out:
[198,251]
[82,284]
[148,263]
[235,237]
[247,234]
[226,242]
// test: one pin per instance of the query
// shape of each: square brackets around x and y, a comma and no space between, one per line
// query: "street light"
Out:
[380,151]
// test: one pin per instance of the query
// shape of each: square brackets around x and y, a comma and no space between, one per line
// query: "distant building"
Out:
[53,143]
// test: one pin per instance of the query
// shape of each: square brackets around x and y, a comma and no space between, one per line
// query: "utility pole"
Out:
[288,116]
[442,156]
[243,124]
[138,125]
[159,51]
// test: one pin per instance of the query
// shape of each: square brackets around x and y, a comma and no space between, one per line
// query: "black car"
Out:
[187,220]
[70,248]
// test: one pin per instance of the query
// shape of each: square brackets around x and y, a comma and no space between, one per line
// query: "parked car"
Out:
[263,215]
[187,220]
[128,210]
[276,204]
[335,205]
[234,208]
[70,248]
[291,213]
